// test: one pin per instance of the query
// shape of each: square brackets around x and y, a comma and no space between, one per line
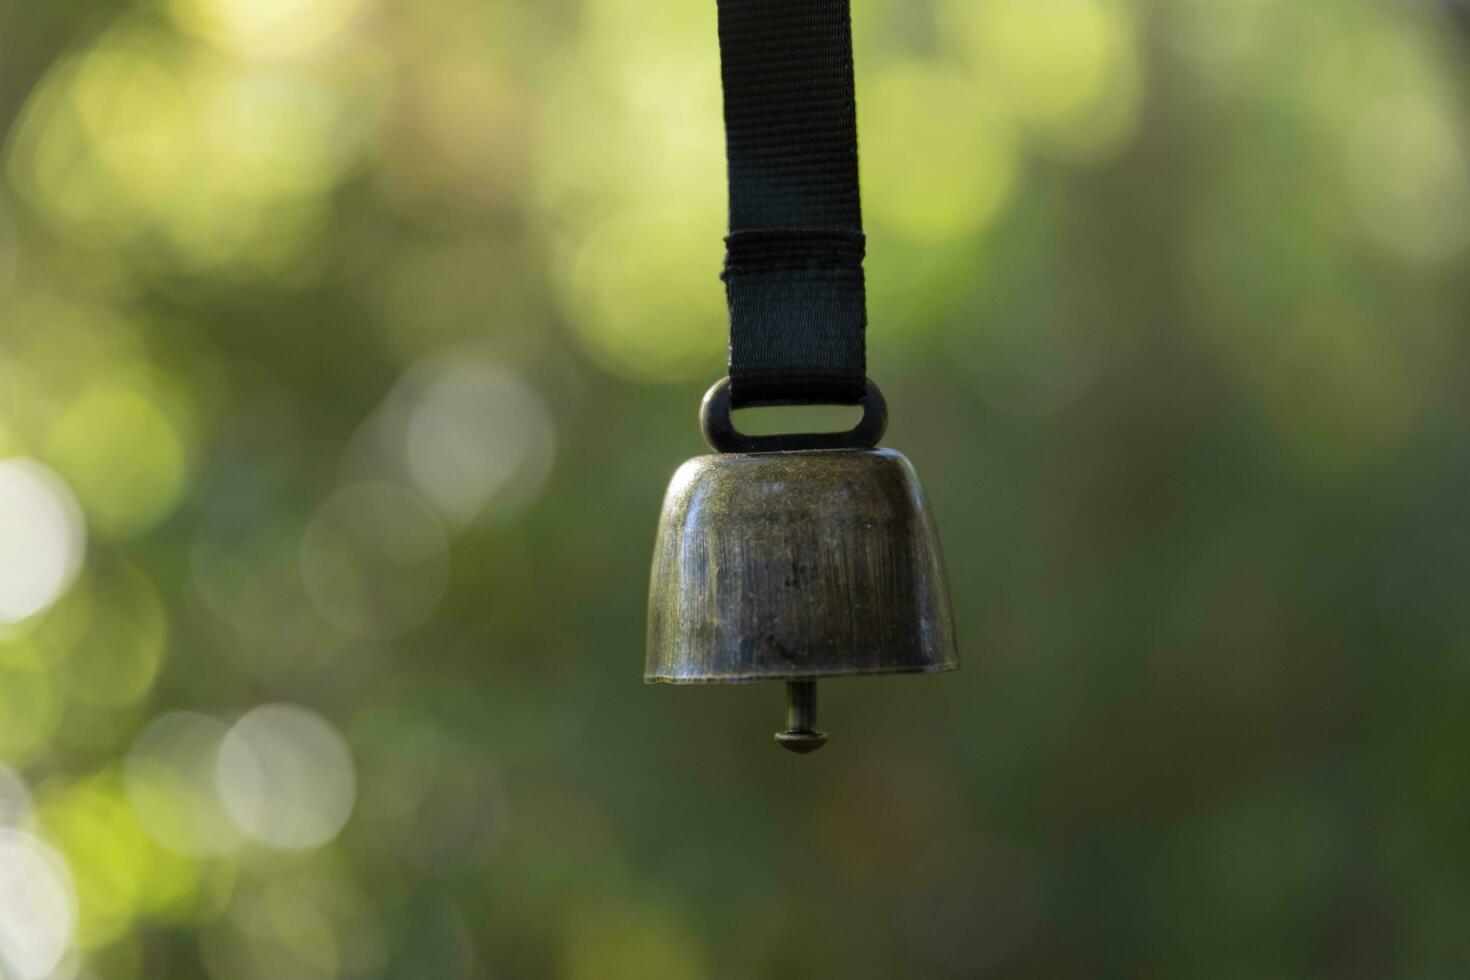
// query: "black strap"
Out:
[794,256]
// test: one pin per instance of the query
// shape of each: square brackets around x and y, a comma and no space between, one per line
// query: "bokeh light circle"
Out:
[170,782]
[123,456]
[42,538]
[375,560]
[476,437]
[286,777]
[37,907]
[1408,178]
[638,287]
[969,166]
[1068,70]
[122,878]
[121,636]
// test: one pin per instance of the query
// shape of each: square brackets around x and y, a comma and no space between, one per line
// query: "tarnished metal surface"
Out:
[774,566]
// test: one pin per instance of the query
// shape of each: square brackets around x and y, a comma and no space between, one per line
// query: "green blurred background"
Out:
[346,347]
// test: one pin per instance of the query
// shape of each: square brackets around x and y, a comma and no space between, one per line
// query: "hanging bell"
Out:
[794,557]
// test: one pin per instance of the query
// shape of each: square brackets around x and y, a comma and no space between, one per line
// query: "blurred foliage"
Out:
[346,347]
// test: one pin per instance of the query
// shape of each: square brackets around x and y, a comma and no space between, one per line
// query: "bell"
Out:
[795,557]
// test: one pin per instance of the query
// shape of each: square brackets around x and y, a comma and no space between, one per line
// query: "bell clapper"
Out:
[801,719]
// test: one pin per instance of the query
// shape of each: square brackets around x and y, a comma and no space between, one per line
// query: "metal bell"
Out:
[796,557]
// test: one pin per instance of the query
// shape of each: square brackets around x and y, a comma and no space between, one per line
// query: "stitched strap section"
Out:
[793,262]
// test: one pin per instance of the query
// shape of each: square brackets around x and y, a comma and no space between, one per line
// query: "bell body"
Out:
[796,565]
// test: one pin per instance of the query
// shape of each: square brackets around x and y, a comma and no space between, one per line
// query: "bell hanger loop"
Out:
[722,436]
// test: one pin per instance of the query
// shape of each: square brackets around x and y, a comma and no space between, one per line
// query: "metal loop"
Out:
[721,434]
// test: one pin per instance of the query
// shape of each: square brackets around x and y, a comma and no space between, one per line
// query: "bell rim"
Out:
[796,675]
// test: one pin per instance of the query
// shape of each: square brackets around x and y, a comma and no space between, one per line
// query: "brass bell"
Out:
[795,557]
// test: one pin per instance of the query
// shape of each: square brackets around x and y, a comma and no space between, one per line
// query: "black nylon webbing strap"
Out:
[794,256]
